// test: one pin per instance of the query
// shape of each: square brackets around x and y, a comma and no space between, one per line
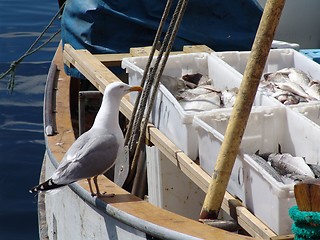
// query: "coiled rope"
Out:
[154,74]
[32,49]
[306,225]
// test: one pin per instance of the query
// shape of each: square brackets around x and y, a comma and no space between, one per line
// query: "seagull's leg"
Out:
[90,186]
[95,180]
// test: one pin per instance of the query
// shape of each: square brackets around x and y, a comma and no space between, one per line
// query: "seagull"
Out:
[96,150]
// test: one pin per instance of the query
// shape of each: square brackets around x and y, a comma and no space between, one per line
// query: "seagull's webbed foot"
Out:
[105,195]
[98,194]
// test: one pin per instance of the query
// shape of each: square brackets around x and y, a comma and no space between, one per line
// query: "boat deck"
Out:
[95,69]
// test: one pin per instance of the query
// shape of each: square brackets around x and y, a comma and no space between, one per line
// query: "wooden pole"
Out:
[307,194]
[241,110]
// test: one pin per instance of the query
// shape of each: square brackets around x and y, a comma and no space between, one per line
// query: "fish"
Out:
[228,97]
[195,92]
[288,99]
[203,102]
[197,79]
[294,178]
[299,177]
[276,77]
[285,164]
[291,99]
[315,169]
[314,91]
[299,77]
[287,180]
[267,167]
[189,94]
[173,84]
[192,78]
[205,80]
[292,80]
[292,87]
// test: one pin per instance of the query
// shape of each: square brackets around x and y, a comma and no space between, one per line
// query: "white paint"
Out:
[170,189]
[69,217]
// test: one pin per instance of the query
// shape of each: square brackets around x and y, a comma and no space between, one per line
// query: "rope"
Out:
[31,50]
[306,225]
[134,125]
[154,79]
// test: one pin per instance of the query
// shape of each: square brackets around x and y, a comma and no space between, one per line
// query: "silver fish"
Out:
[204,102]
[173,84]
[228,97]
[267,167]
[276,77]
[287,180]
[292,87]
[299,77]
[287,98]
[292,80]
[314,91]
[299,177]
[205,80]
[190,94]
[291,99]
[285,164]
[316,169]
[196,79]
[294,178]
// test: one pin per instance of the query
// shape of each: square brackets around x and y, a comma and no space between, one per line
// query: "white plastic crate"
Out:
[310,110]
[167,114]
[277,59]
[267,127]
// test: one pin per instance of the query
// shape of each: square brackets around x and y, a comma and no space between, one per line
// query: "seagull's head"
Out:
[119,89]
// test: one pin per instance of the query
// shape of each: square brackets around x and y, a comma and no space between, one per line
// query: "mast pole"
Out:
[241,110]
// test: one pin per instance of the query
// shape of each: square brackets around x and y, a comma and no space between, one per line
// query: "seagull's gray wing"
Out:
[92,154]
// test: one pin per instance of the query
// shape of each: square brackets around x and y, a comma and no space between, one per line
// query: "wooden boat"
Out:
[73,213]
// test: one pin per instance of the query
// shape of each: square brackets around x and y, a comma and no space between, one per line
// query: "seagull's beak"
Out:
[135,88]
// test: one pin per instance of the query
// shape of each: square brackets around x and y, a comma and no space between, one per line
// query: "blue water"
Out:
[21,130]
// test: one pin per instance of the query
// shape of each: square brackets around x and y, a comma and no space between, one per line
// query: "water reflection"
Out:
[21,130]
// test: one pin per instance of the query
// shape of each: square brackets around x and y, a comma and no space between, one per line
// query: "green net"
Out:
[306,225]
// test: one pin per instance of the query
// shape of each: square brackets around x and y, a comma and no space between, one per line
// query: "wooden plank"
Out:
[141,51]
[307,194]
[145,51]
[284,237]
[253,225]
[197,48]
[100,76]
[112,60]
[96,72]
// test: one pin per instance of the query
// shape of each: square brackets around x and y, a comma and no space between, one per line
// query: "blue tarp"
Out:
[113,26]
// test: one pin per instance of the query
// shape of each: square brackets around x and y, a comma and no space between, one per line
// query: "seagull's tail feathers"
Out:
[47,185]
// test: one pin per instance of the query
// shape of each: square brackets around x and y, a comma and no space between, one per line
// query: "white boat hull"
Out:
[68,216]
